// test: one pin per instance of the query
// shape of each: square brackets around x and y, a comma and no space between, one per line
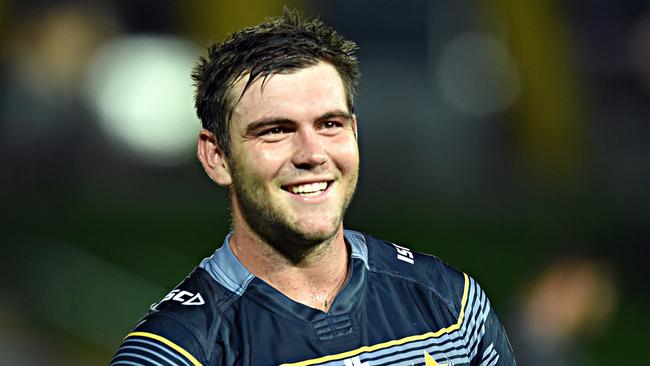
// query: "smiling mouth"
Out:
[308,189]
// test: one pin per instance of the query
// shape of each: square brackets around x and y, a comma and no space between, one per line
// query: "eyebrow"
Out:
[265,122]
[335,114]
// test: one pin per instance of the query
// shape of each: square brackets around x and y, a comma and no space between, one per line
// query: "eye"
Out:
[328,125]
[274,131]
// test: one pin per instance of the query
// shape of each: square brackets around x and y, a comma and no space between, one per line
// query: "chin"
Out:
[318,236]
[318,225]
[296,242]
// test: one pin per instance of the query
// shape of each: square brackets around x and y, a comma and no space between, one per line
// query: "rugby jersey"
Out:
[398,307]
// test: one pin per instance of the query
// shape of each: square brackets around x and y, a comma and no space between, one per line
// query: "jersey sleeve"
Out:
[160,340]
[488,340]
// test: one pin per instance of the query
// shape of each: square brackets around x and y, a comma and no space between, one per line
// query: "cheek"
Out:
[270,161]
[346,154]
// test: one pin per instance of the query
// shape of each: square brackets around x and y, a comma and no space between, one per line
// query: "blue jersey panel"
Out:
[398,307]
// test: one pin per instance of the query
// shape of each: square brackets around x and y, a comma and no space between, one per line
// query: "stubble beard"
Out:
[274,226]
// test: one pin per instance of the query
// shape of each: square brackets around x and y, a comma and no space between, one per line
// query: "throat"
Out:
[316,289]
[313,280]
[318,302]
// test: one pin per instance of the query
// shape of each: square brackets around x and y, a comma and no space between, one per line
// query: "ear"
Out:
[212,158]
[354,127]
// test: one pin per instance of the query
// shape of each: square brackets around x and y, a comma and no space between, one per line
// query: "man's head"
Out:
[287,147]
[278,45]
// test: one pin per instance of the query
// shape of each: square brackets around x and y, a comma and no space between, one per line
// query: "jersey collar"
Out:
[225,268]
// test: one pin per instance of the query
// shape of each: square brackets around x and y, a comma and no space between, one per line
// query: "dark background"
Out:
[501,136]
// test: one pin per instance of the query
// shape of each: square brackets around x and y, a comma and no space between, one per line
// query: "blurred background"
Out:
[511,139]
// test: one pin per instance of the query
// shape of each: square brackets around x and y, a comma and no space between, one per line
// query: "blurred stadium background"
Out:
[510,138]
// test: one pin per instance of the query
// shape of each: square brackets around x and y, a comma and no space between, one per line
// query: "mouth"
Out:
[308,189]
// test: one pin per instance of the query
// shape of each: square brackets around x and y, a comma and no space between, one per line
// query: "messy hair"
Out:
[277,45]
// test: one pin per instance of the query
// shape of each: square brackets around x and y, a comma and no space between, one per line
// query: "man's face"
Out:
[294,159]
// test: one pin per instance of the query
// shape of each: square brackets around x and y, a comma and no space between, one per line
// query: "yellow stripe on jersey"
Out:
[167,342]
[396,342]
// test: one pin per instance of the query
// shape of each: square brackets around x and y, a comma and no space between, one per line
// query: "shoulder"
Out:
[449,285]
[187,324]
[477,323]
[198,302]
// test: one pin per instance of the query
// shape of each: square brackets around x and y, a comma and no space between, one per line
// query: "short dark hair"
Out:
[277,45]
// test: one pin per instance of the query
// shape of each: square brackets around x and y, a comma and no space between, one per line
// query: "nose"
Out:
[310,150]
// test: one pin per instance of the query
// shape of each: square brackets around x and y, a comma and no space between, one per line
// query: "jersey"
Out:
[397,307]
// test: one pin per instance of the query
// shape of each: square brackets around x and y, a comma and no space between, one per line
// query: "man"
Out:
[290,286]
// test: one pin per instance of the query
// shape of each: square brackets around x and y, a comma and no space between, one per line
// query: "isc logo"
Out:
[404,254]
[184,297]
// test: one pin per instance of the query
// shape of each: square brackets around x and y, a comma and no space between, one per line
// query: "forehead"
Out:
[304,93]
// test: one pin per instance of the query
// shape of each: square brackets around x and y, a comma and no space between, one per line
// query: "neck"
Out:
[313,281]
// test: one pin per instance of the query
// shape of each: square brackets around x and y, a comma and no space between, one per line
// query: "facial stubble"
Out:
[276,227]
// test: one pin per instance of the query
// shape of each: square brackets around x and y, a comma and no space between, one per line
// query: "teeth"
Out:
[310,189]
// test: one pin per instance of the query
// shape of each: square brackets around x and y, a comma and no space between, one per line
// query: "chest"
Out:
[393,324]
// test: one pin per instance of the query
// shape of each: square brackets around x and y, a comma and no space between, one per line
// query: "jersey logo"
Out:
[429,361]
[184,297]
[404,254]
[355,361]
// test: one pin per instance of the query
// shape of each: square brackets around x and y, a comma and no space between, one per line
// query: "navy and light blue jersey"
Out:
[398,307]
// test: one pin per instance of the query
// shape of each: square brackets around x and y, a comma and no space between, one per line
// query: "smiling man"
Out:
[293,165]
[291,286]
